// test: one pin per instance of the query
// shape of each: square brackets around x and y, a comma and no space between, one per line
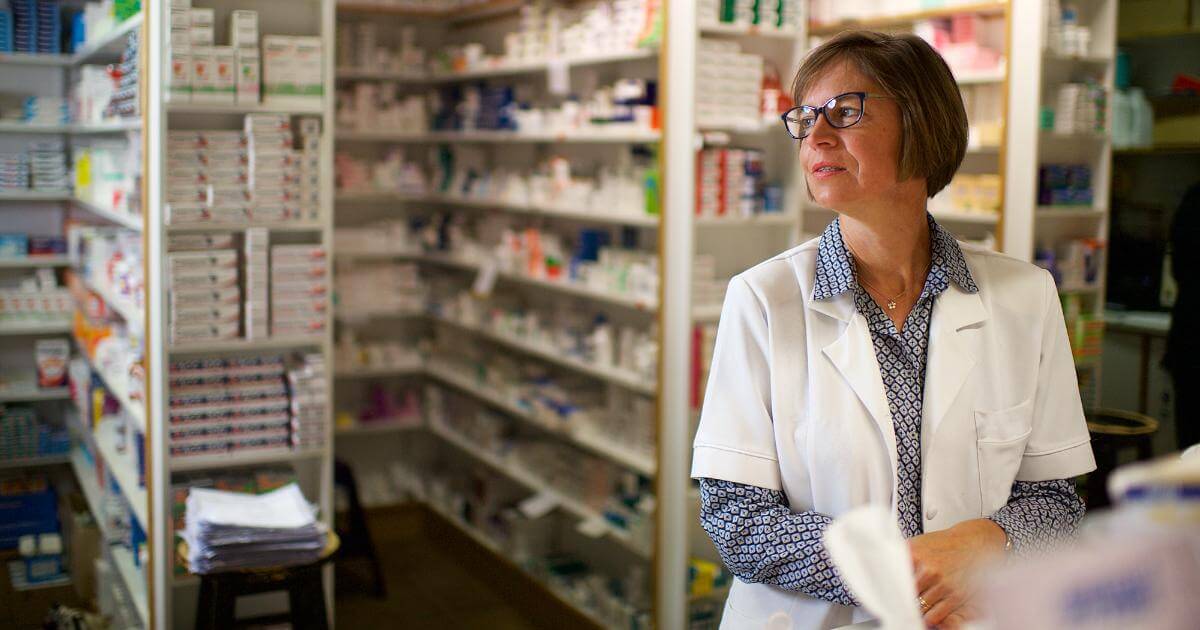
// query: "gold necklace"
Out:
[891,304]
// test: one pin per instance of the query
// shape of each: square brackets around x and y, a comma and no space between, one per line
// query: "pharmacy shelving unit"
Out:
[45,212]
[438,26]
[984,155]
[1039,71]
[175,596]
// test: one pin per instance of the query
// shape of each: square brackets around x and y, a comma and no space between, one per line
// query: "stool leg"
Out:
[205,608]
[306,600]
[225,601]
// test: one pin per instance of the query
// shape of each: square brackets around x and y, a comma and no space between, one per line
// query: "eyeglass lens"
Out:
[840,111]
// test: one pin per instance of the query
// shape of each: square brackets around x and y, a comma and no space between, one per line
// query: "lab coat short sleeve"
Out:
[1059,446]
[736,438]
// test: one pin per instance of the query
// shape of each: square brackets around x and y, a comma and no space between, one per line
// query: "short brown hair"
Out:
[933,140]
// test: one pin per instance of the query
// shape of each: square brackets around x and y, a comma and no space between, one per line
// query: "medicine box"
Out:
[248,75]
[243,28]
[224,74]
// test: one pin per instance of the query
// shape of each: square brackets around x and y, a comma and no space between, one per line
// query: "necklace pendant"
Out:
[891,306]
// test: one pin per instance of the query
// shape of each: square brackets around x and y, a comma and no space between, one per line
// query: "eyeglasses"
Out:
[841,111]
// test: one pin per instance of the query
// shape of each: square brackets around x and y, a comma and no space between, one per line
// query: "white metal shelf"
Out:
[581,136]
[273,226]
[982,78]
[35,462]
[136,411]
[28,59]
[378,372]
[766,218]
[34,328]
[543,65]
[542,210]
[26,390]
[747,30]
[108,45]
[614,375]
[378,427]
[531,481]
[482,539]
[230,460]
[128,312]
[107,127]
[961,216]
[587,439]
[35,195]
[569,288]
[189,107]
[35,261]
[85,474]
[1069,212]
[360,319]
[245,345]
[123,468]
[134,580]
[124,220]
[350,73]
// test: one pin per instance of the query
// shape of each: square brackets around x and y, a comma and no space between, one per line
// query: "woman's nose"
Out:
[822,133]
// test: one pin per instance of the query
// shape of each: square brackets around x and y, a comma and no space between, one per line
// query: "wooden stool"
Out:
[1114,430]
[306,597]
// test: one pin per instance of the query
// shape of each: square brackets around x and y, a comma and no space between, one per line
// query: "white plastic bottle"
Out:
[1122,122]
[1143,118]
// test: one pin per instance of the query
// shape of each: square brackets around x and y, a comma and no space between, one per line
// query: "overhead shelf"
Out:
[906,19]
[378,372]
[475,11]
[545,210]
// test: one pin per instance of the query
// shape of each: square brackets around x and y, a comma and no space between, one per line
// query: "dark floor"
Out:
[435,579]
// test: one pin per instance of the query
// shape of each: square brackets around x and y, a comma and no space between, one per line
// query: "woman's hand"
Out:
[943,562]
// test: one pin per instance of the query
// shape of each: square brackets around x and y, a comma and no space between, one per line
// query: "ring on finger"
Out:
[924,604]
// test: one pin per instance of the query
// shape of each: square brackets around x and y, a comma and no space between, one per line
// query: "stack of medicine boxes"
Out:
[208,176]
[203,72]
[257,324]
[309,402]
[199,283]
[299,290]
[733,83]
[274,167]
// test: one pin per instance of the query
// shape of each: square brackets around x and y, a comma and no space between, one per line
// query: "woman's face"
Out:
[853,170]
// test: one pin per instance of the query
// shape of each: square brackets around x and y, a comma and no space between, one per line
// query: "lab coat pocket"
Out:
[1002,435]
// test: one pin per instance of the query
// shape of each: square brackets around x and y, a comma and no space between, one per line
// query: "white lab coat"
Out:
[795,402]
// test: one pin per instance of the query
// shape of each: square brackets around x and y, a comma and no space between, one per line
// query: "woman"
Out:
[884,363]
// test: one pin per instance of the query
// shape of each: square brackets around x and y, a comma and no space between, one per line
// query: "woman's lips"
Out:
[823,171]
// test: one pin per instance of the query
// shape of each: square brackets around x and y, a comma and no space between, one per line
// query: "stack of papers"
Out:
[228,531]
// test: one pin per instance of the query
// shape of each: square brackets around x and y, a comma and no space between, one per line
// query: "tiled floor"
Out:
[428,586]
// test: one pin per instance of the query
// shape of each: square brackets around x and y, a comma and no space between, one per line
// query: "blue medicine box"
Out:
[26,507]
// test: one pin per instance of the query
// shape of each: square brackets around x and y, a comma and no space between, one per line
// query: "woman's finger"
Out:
[926,578]
[953,621]
[942,609]
[932,595]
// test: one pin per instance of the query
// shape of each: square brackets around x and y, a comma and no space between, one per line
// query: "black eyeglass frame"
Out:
[823,110]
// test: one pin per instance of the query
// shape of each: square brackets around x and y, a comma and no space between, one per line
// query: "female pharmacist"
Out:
[884,363]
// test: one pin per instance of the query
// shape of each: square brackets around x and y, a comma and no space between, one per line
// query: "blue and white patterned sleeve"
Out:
[1039,514]
[762,541]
